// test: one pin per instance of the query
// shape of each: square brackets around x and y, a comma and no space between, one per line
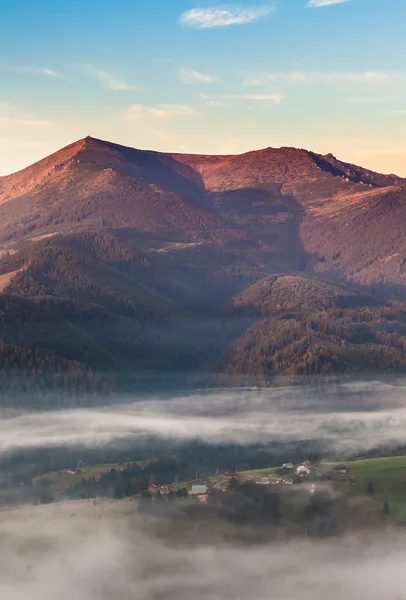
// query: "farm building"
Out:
[303,471]
[230,475]
[198,490]
[340,469]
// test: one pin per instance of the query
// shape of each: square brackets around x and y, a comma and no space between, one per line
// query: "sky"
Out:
[205,77]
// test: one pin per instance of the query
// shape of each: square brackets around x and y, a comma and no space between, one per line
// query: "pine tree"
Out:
[386,509]
[371,488]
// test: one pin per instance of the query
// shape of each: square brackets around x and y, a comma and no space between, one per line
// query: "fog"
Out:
[346,418]
[45,555]
[110,551]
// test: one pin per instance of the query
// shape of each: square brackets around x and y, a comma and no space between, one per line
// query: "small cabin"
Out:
[198,490]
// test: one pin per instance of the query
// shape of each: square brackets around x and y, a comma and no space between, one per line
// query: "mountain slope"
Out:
[309,327]
[154,262]
[93,183]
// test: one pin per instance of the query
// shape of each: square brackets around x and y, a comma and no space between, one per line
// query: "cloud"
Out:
[38,71]
[369,99]
[24,122]
[114,552]
[160,111]
[205,18]
[190,76]
[345,418]
[12,117]
[274,98]
[215,103]
[110,81]
[320,3]
[325,77]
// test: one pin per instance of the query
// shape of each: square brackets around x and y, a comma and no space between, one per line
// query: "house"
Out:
[198,490]
[264,481]
[340,469]
[303,471]
[288,465]
[230,475]
[153,489]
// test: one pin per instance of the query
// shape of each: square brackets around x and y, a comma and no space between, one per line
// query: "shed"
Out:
[198,490]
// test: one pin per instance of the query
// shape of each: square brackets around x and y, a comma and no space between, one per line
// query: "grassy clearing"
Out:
[62,480]
[259,472]
[388,477]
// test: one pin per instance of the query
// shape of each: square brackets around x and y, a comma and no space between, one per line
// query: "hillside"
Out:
[279,261]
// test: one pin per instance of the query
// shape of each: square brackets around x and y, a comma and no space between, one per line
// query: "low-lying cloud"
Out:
[46,556]
[345,418]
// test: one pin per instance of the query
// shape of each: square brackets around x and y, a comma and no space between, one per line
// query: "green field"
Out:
[259,472]
[387,475]
[62,480]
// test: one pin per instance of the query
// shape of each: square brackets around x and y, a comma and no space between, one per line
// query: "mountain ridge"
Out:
[273,263]
[90,143]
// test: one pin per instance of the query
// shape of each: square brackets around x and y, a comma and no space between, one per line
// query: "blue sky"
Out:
[208,77]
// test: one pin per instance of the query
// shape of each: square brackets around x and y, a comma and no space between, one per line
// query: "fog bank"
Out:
[345,417]
[44,556]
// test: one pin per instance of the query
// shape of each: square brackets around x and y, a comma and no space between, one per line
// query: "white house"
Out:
[303,471]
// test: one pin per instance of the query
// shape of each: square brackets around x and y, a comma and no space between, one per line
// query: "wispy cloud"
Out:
[28,70]
[24,122]
[12,116]
[320,3]
[110,81]
[369,99]
[325,77]
[190,76]
[275,98]
[218,103]
[160,111]
[206,18]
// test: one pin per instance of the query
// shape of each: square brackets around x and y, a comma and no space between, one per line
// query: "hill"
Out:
[272,262]
[308,327]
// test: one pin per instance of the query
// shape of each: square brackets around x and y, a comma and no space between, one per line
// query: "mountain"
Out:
[154,262]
